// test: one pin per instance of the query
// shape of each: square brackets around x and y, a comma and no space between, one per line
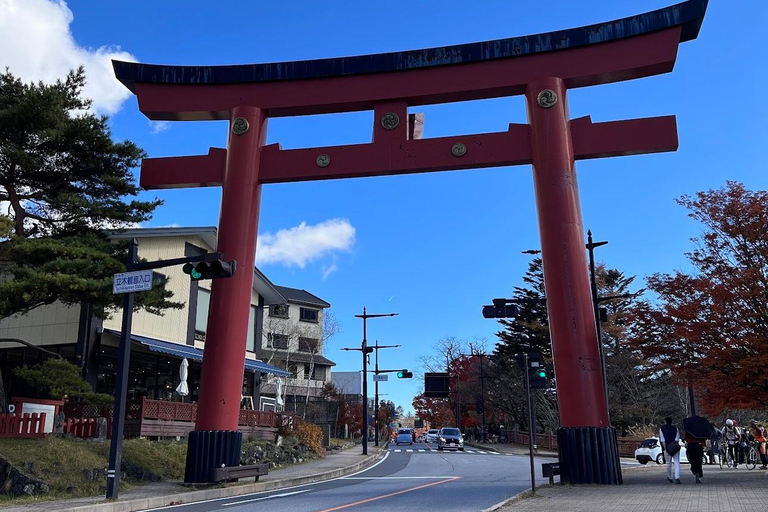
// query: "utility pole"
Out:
[365,350]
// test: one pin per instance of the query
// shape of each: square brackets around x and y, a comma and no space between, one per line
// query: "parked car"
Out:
[432,435]
[450,438]
[404,435]
[650,450]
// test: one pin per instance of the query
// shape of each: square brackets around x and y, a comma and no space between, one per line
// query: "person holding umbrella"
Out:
[697,431]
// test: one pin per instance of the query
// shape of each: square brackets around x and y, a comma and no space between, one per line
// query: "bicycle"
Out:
[752,455]
[726,459]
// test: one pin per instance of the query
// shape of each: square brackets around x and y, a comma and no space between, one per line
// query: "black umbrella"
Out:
[698,427]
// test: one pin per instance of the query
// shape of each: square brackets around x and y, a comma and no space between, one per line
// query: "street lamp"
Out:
[365,349]
[595,304]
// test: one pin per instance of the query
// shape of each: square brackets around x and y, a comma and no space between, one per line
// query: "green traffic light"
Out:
[542,374]
[192,271]
[399,375]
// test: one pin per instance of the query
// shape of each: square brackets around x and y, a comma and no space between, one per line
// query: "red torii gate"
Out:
[542,67]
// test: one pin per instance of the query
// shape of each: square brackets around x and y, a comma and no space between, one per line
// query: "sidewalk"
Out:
[646,488]
[152,495]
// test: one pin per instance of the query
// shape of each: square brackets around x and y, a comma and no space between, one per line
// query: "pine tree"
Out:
[63,184]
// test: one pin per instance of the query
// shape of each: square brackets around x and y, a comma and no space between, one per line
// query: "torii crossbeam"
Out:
[542,67]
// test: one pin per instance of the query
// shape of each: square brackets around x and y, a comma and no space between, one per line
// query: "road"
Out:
[408,478]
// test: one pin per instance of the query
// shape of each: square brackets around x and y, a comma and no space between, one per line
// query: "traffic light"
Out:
[216,269]
[537,375]
[404,374]
[500,311]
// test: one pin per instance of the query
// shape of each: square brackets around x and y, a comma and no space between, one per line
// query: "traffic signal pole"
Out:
[376,371]
[530,423]
[123,365]
[124,357]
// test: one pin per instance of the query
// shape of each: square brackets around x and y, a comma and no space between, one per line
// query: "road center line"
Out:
[369,500]
[397,477]
[265,497]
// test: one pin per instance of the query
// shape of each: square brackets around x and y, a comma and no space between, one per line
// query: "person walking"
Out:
[731,440]
[669,438]
[695,452]
[714,445]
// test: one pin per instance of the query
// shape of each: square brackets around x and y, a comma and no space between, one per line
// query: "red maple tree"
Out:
[710,327]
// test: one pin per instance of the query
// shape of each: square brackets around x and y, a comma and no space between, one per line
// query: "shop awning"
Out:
[196,354]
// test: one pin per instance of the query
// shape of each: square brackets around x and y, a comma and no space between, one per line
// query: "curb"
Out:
[225,492]
[507,501]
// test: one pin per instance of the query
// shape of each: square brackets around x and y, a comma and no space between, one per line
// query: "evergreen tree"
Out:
[63,184]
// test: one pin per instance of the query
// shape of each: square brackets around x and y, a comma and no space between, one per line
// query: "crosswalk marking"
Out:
[428,450]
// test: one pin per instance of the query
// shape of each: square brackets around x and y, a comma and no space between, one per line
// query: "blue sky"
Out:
[432,247]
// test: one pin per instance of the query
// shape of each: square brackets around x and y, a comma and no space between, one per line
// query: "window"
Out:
[317,374]
[278,310]
[250,347]
[277,341]
[201,319]
[308,345]
[308,315]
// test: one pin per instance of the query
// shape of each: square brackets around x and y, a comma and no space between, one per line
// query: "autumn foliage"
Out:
[710,327]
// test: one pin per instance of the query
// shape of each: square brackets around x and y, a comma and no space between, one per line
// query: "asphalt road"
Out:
[409,478]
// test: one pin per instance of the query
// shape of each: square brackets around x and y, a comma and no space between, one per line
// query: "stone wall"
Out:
[15,483]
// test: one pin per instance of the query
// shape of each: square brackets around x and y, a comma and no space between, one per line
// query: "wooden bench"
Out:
[232,473]
[550,469]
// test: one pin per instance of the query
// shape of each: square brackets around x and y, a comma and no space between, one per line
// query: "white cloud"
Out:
[329,270]
[36,44]
[301,244]
[158,126]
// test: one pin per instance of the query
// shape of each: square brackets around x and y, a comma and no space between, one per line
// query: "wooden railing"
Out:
[169,411]
[626,445]
[25,425]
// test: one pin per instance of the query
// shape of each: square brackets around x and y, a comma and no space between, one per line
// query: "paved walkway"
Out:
[646,488]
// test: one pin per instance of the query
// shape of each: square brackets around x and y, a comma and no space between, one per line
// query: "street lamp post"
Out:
[365,349]
[595,304]
[376,347]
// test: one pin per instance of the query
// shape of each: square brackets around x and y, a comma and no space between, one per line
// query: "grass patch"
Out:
[64,463]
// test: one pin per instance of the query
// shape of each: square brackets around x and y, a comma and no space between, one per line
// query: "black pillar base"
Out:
[589,455]
[209,449]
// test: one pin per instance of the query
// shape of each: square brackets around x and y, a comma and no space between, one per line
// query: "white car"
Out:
[432,435]
[650,450]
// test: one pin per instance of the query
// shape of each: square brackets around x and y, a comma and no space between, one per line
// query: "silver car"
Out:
[450,438]
[432,435]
